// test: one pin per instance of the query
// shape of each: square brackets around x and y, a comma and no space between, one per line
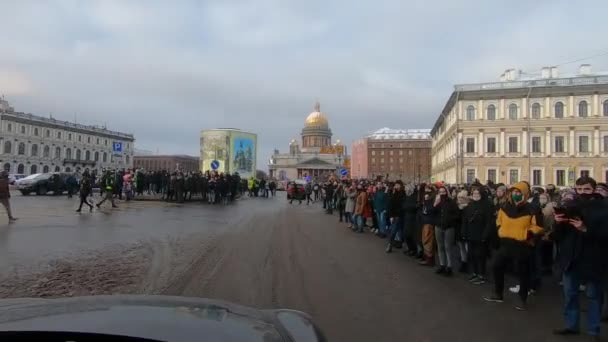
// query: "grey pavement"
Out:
[258,252]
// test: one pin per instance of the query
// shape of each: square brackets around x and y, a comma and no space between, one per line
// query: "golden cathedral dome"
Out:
[317,118]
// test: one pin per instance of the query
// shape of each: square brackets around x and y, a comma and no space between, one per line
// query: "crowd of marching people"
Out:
[488,230]
[177,186]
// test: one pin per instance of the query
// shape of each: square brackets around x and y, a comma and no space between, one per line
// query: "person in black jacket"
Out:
[409,219]
[582,235]
[395,213]
[477,222]
[445,232]
[428,219]
[85,190]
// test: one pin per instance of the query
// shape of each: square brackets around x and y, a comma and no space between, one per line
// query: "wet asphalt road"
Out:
[259,252]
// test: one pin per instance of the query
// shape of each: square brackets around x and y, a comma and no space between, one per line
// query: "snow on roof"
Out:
[399,134]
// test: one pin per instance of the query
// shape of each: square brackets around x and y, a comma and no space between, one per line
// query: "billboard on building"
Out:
[214,146]
[243,152]
[233,149]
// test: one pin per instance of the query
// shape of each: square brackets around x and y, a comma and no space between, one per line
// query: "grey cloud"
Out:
[164,71]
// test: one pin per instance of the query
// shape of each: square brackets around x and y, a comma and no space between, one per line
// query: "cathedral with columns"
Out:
[316,158]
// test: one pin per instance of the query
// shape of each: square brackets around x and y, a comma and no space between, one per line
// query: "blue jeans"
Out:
[359,223]
[348,217]
[572,312]
[382,222]
[395,229]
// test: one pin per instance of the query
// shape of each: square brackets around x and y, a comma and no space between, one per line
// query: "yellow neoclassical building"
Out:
[545,129]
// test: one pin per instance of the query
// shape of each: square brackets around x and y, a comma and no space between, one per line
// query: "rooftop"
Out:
[5,109]
[548,77]
[400,134]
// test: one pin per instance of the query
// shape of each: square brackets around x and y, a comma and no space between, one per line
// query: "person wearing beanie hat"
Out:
[517,227]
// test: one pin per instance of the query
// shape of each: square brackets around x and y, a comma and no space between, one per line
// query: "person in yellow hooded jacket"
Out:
[517,225]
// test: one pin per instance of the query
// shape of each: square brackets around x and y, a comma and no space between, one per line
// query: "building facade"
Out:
[33,144]
[397,153]
[230,149]
[547,129]
[317,158]
[166,163]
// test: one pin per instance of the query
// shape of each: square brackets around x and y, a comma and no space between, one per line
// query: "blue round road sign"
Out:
[343,172]
[215,165]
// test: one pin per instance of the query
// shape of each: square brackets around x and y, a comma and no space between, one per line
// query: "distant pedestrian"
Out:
[108,182]
[5,195]
[86,188]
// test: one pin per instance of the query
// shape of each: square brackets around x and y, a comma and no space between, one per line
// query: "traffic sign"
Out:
[117,146]
[215,165]
[343,172]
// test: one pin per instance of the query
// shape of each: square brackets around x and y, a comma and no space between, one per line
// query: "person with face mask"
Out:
[552,193]
[477,222]
[582,236]
[516,223]
[445,231]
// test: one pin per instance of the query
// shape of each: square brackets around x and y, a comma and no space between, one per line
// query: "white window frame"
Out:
[542,145]
[564,102]
[466,138]
[495,168]
[485,114]
[466,173]
[509,174]
[542,175]
[517,110]
[602,149]
[589,136]
[507,147]
[466,112]
[540,114]
[579,169]
[496,143]
[553,144]
[565,169]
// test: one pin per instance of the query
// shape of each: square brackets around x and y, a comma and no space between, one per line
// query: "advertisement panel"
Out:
[243,152]
[214,147]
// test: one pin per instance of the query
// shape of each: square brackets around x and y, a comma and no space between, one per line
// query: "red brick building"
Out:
[166,162]
[402,154]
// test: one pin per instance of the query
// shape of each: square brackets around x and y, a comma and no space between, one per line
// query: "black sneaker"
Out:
[473,278]
[493,298]
[389,248]
[448,272]
[565,332]
[440,270]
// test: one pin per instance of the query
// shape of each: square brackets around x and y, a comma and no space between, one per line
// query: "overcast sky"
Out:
[164,70]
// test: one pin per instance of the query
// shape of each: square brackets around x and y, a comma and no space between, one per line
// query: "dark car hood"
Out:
[162,318]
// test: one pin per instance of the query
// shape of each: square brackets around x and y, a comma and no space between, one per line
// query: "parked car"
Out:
[42,183]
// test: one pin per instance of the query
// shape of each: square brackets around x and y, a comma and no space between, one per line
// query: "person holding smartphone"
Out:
[582,236]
